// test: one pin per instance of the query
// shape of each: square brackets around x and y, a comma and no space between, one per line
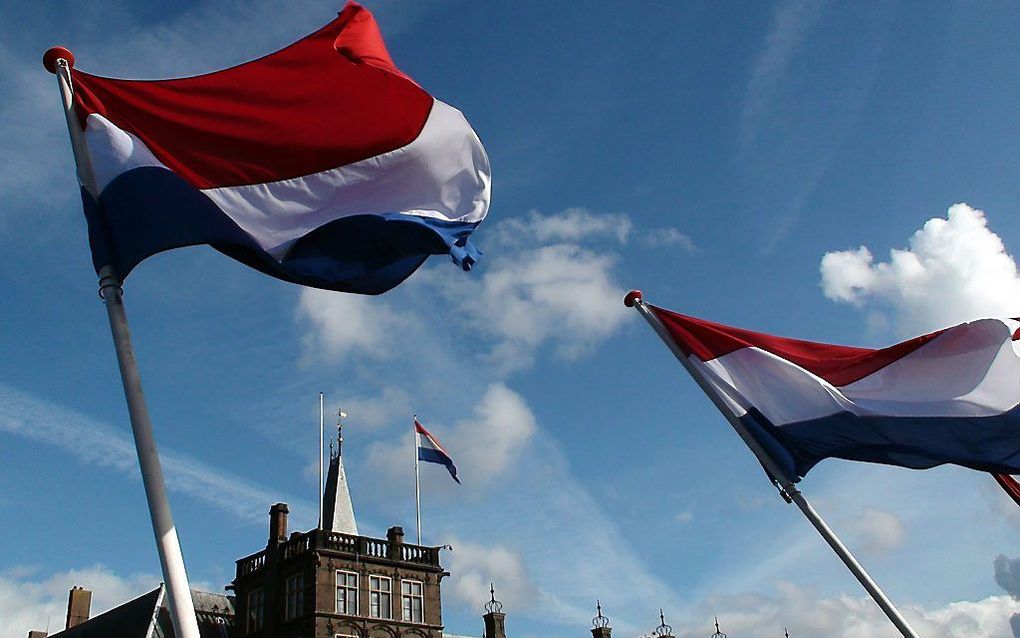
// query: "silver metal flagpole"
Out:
[417,488]
[182,610]
[322,426]
[634,299]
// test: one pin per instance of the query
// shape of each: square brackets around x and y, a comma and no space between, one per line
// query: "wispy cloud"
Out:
[95,443]
[791,23]
[794,121]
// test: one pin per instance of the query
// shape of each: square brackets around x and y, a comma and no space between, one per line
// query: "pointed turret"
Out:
[337,510]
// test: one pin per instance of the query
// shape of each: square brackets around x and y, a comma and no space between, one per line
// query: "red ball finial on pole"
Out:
[51,56]
[632,298]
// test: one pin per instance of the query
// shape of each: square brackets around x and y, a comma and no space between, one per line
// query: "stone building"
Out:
[330,582]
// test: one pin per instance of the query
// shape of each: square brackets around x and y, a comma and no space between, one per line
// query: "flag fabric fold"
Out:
[952,396]
[431,450]
[320,164]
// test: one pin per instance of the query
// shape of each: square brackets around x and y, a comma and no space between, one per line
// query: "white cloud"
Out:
[475,567]
[389,405]
[571,225]
[684,517]
[563,294]
[483,447]
[95,443]
[875,531]
[669,237]
[347,324]
[30,600]
[806,613]
[488,443]
[955,269]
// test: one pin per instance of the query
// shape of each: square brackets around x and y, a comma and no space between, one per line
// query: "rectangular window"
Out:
[412,601]
[346,593]
[256,610]
[380,595]
[295,591]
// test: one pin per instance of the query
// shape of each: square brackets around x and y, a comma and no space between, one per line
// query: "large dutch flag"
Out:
[431,450]
[947,397]
[321,164]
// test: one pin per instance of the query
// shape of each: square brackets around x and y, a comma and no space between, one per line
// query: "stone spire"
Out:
[337,510]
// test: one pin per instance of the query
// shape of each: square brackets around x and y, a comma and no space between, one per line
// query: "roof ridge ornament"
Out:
[493,606]
[663,629]
[599,621]
[719,634]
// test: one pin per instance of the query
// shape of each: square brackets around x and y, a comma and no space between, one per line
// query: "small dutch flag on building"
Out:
[431,450]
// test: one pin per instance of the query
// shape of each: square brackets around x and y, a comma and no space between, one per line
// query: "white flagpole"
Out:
[634,299]
[322,417]
[417,487]
[182,610]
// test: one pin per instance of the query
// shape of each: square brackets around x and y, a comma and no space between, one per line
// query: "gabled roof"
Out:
[147,617]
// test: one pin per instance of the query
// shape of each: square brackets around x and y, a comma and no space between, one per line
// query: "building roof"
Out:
[147,617]
[337,510]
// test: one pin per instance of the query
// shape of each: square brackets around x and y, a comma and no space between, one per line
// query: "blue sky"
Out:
[711,154]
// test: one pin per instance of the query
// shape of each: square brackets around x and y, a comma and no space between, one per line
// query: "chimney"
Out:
[395,536]
[600,624]
[79,603]
[278,523]
[494,617]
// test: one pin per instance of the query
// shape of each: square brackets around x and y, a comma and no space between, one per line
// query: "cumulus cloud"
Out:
[954,269]
[475,566]
[30,600]
[876,531]
[346,324]
[806,613]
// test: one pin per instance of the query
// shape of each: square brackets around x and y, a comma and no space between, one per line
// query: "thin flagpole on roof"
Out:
[786,486]
[59,61]
[322,422]
[417,484]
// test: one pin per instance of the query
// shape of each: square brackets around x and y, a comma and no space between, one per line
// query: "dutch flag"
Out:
[431,450]
[321,164]
[952,396]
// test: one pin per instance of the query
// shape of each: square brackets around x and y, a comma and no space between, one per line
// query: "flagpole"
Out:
[182,610]
[788,489]
[322,426]
[417,487]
